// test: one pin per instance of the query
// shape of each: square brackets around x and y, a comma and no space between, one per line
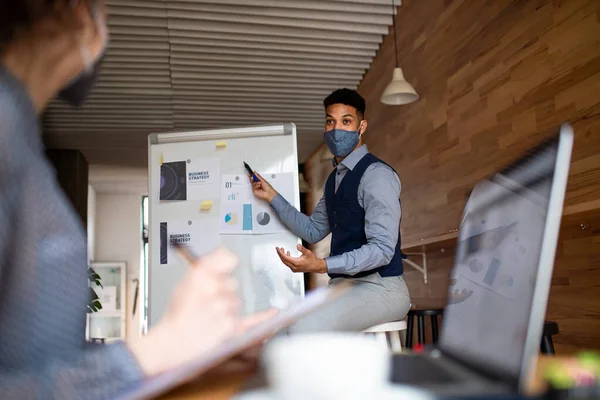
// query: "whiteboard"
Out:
[270,150]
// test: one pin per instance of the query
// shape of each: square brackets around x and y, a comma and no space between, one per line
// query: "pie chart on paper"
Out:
[231,218]
[263,218]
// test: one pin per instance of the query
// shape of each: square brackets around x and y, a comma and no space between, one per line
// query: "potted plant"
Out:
[94,304]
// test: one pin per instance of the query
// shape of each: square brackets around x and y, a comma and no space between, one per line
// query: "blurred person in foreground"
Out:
[49,48]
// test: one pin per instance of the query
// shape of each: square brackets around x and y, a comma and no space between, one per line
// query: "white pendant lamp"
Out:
[398,91]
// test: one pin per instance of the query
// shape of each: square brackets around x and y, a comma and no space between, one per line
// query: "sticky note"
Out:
[161,159]
[206,205]
[221,144]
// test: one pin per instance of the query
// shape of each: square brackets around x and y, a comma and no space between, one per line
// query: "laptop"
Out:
[500,281]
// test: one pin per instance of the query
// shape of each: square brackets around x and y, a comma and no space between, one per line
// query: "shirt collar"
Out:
[353,158]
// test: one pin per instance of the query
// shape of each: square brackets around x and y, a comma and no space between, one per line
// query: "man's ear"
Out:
[363,125]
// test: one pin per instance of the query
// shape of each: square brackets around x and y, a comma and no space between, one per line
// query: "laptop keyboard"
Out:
[420,370]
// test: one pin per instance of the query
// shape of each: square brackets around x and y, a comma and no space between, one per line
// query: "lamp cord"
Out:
[395,39]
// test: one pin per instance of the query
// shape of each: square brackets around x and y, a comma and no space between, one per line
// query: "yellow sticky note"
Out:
[221,144]
[161,159]
[206,205]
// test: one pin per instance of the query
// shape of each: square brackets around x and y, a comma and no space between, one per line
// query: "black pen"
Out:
[185,253]
[250,172]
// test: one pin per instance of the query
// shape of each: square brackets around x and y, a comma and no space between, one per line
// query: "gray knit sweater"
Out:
[43,283]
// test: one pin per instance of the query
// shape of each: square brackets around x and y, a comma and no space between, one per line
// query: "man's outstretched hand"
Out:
[307,262]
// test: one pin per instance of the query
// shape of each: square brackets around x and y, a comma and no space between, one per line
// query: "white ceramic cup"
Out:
[327,366]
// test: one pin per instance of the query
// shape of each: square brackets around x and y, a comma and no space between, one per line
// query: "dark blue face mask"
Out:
[76,92]
[341,142]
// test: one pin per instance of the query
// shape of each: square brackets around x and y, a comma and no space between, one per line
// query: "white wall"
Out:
[118,227]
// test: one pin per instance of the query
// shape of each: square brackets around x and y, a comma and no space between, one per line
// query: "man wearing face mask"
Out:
[361,208]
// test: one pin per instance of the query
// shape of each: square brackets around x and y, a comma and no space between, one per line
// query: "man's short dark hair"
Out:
[347,97]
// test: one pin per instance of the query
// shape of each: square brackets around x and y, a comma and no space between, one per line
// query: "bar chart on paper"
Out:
[236,205]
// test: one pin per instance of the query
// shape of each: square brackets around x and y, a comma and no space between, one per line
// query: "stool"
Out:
[550,328]
[420,314]
[393,329]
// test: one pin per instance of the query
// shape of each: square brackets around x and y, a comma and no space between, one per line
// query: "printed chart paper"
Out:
[264,218]
[189,233]
[173,183]
[236,205]
[191,179]
[202,178]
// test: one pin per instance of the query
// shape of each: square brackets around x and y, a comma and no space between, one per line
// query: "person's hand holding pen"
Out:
[260,187]
[263,189]
[203,313]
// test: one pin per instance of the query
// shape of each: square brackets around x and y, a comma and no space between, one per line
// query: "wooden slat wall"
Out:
[575,288]
[495,77]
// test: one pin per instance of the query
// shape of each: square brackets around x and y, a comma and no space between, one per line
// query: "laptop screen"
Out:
[492,284]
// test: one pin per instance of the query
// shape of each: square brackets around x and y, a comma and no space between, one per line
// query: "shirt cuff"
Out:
[278,203]
[336,264]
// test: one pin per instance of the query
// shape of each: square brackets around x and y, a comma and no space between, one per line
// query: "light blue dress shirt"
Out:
[378,195]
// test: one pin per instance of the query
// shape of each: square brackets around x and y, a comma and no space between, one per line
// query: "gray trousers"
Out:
[372,301]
